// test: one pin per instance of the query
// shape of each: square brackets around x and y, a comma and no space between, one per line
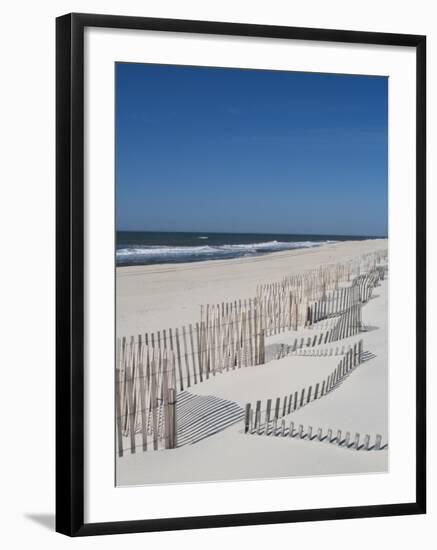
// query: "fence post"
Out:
[258,415]
[130,406]
[165,404]
[269,407]
[178,352]
[118,412]
[302,396]
[262,346]
[360,351]
[172,418]
[310,389]
[284,408]
[278,402]
[356,441]
[194,354]
[378,439]
[142,397]
[154,401]
[246,418]
[290,400]
[199,350]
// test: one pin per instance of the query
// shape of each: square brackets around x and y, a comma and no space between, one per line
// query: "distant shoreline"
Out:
[159,248]
[221,262]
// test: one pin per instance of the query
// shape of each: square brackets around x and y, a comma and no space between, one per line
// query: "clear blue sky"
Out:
[230,150]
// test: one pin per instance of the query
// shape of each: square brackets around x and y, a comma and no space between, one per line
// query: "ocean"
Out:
[148,247]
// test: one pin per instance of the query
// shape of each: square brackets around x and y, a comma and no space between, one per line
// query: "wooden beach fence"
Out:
[343,306]
[303,300]
[260,417]
[315,282]
[329,436]
[227,337]
[348,324]
[343,301]
[154,367]
[145,397]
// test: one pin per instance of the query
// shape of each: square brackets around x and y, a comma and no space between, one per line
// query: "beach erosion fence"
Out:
[302,300]
[263,417]
[333,437]
[348,324]
[152,368]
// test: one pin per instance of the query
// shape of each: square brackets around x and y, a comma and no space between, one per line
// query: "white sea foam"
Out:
[198,252]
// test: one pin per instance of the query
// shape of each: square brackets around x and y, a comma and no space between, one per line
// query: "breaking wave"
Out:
[165,254]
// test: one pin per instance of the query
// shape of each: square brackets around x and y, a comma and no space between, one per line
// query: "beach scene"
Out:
[252,275]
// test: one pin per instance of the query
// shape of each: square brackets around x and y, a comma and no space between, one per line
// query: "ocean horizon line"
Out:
[192,232]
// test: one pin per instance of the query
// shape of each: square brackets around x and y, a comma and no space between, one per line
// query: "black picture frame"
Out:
[70,273]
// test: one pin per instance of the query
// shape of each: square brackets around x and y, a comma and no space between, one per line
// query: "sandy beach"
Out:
[152,298]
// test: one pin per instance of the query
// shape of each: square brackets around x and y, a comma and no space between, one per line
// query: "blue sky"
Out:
[231,150]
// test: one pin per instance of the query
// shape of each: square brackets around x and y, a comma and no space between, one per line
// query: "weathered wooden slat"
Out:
[247,418]
[118,412]
[142,381]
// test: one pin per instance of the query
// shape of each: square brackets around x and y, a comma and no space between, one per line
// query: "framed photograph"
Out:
[240,274]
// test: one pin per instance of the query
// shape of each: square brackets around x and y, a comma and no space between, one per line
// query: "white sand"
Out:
[230,455]
[157,297]
[274,379]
